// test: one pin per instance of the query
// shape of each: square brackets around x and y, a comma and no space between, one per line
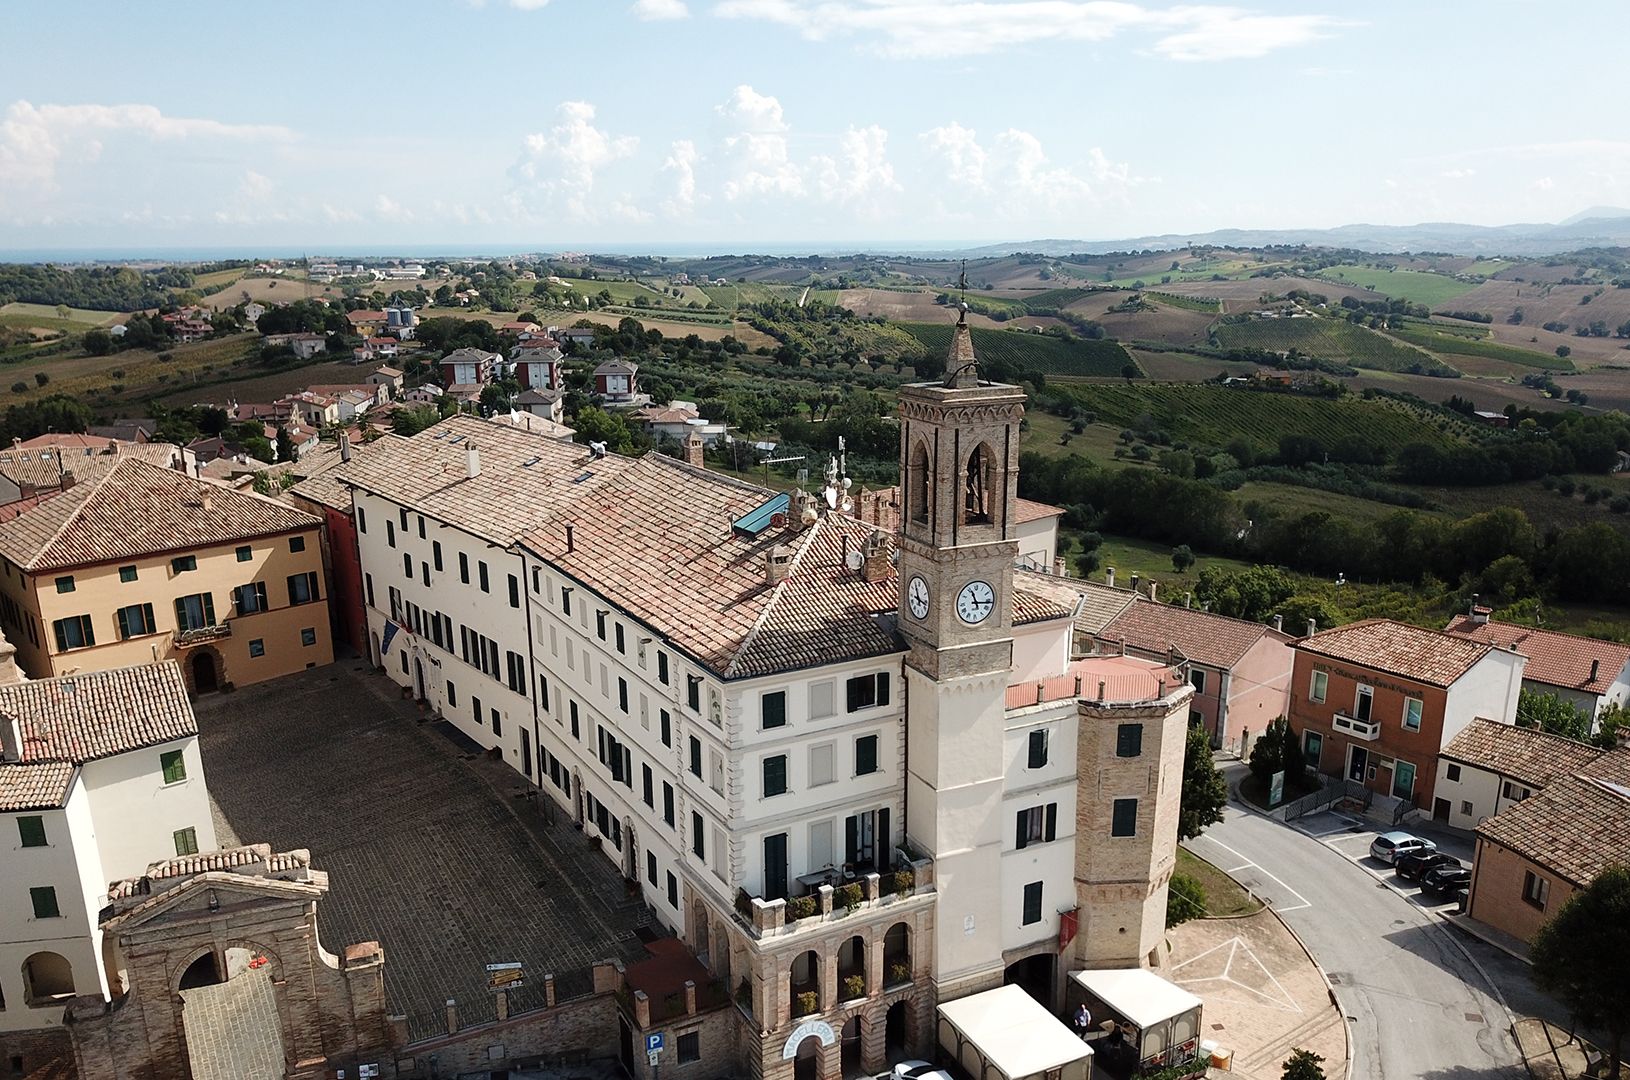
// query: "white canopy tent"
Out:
[1166,1016]
[1005,1034]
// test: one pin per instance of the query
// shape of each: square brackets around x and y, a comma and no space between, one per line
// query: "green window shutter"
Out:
[90,630]
[124,624]
[174,766]
[31,831]
[181,614]
[44,899]
[62,635]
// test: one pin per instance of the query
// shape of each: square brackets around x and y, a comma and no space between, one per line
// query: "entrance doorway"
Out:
[894,1030]
[418,679]
[1035,975]
[231,1017]
[1358,759]
[850,1043]
[807,1065]
[204,680]
[1440,810]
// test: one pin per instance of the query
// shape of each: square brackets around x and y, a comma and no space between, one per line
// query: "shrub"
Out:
[41,378]
[1185,900]
[899,972]
[19,388]
[854,986]
[800,907]
[848,896]
[804,1003]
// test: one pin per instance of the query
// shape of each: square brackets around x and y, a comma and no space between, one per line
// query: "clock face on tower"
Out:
[975,602]
[917,598]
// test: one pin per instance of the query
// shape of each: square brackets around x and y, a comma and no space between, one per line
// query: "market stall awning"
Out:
[1013,1032]
[1143,997]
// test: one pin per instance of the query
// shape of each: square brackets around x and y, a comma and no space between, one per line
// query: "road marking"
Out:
[1250,865]
[1235,945]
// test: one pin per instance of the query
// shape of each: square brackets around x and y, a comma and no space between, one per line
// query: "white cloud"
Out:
[959,149]
[388,209]
[250,201]
[758,162]
[681,162]
[945,28]
[1458,174]
[528,5]
[559,166]
[36,139]
[860,174]
[1015,178]
[655,10]
[1545,183]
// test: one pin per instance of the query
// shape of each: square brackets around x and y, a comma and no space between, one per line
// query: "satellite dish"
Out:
[854,560]
[831,499]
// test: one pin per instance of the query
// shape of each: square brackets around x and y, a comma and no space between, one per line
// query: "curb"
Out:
[1453,932]
[1329,988]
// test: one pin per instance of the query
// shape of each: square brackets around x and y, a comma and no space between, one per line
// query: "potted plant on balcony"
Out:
[849,897]
[800,907]
[805,1003]
[854,986]
[899,972]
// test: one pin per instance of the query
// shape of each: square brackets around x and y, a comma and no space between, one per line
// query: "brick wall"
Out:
[581,1029]
[43,1053]
[1497,892]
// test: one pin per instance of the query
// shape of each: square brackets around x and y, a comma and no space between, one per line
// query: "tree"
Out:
[97,342]
[1182,558]
[285,445]
[1581,954]
[1563,351]
[1303,1065]
[1205,792]
[1130,372]
[1552,715]
[1278,748]
[406,422]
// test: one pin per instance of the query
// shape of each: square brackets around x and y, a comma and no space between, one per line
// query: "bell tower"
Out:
[959,458]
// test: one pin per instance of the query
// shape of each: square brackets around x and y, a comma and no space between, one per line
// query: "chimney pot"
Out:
[1279,623]
[1153,585]
[1100,690]
[1312,627]
[571,539]
[1188,599]
[472,462]
[1595,669]
[345,447]
[777,563]
[1109,576]
[1134,581]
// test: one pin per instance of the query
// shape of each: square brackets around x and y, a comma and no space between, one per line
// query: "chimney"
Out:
[1109,576]
[204,501]
[1134,581]
[693,450]
[1480,615]
[876,566]
[1595,669]
[1622,736]
[1058,568]
[1153,585]
[1278,623]
[472,462]
[1312,627]
[345,447]
[1188,599]
[571,538]
[777,563]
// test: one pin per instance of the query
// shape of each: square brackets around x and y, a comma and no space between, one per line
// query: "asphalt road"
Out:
[1416,1006]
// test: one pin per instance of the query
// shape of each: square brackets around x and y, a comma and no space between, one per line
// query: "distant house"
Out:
[253,311]
[542,403]
[578,335]
[366,323]
[678,420]
[305,346]
[428,394]
[537,367]
[616,382]
[468,367]
[1493,419]
[518,327]
[1586,672]
[388,377]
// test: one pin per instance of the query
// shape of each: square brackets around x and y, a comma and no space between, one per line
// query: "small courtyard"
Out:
[431,850]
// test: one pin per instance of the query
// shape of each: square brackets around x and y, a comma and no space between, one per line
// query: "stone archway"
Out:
[235,1014]
[206,670]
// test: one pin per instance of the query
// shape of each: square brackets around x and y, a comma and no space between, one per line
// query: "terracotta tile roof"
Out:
[323,471]
[39,468]
[133,508]
[1027,510]
[508,499]
[365,316]
[1525,754]
[34,787]
[251,859]
[22,506]
[1613,766]
[1118,679]
[1554,658]
[65,440]
[97,714]
[1206,638]
[1037,605]
[1429,656]
[1575,828]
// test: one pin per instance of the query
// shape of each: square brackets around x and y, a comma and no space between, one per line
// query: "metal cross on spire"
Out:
[962,302]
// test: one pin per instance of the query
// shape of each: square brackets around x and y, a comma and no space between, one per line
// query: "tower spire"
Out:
[962,366]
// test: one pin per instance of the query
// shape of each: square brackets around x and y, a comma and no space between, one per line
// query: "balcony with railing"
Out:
[1367,729]
[824,903]
[200,635]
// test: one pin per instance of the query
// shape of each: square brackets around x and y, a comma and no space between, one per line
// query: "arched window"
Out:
[976,493]
[917,484]
[47,978]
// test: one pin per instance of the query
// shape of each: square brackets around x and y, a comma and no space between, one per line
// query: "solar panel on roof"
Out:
[456,438]
[529,462]
[757,520]
[580,477]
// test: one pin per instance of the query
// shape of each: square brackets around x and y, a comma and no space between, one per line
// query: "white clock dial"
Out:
[917,598]
[975,602]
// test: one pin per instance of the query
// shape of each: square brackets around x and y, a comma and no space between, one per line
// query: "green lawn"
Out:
[1224,896]
[1416,286]
[46,317]
[1456,341]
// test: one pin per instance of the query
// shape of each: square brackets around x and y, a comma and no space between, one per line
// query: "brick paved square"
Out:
[431,851]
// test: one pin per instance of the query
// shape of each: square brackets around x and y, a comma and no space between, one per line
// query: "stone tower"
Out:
[959,455]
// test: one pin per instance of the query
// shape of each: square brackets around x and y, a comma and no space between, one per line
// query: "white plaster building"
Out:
[1489,766]
[100,777]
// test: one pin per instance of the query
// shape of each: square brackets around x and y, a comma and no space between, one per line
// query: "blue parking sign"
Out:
[653,1043]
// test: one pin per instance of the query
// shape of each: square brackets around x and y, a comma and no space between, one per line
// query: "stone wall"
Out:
[47,1052]
[571,1032]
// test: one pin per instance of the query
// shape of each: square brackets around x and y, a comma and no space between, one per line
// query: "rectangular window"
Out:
[401,512]
[1363,703]
[693,693]
[1028,827]
[662,668]
[424,573]
[308,636]
[668,803]
[537,581]
[1198,678]
[690,1047]
[775,866]
[368,582]
[390,533]
[362,520]
[1535,889]
[775,775]
[572,708]
[1124,821]
[497,722]
[565,599]
[174,766]
[622,694]
[1037,757]
[250,598]
[647,787]
[421,526]
[1032,903]
[74,632]
[463,568]
[452,693]
[44,899]
[127,573]
[297,544]
[822,700]
[698,842]
[820,844]
[822,769]
[1452,773]
[865,755]
[257,647]
[303,588]
[1465,808]
[600,624]
[514,591]
[186,841]
[244,553]
[31,831]
[1129,740]
[65,584]
[667,728]
[868,691]
[774,708]
[1403,779]
[673,891]
[1321,683]
[475,710]
[1412,714]
[407,566]
[136,620]
[695,756]
[435,554]
[622,642]
[486,586]
[651,867]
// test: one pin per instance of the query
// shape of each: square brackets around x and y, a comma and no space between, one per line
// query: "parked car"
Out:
[1446,880]
[1413,864]
[919,1070]
[1388,846]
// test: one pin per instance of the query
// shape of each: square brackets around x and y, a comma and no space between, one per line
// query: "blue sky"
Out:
[548,123]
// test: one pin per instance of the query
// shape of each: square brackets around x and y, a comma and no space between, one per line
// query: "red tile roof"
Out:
[1556,659]
[1525,754]
[131,508]
[1575,828]
[1027,510]
[1117,679]
[1214,640]
[34,787]
[1429,656]
[97,714]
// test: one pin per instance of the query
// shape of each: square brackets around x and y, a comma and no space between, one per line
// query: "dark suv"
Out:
[1413,865]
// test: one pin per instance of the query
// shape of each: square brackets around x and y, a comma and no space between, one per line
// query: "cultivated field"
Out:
[1329,339]
[1032,352]
[1247,294]
[1433,290]
[1166,323]
[1458,343]
[47,317]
